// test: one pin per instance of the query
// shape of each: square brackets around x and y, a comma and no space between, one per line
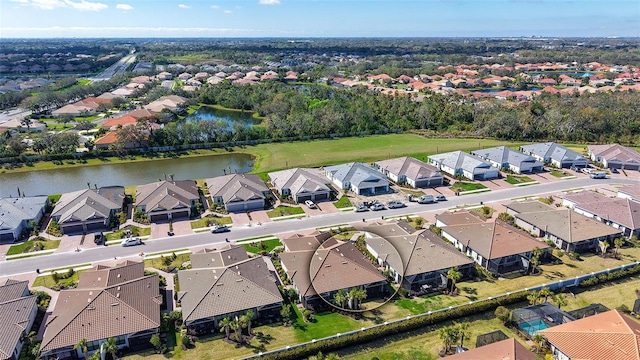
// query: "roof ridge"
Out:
[131,307]
[213,284]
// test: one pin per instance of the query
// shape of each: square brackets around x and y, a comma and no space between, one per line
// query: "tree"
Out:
[538,341]
[225,325]
[503,314]
[82,345]
[448,335]
[560,300]
[89,144]
[618,243]
[545,292]
[454,275]
[536,255]
[111,347]
[249,317]
[463,332]
[340,298]
[26,122]
[604,246]
[533,298]
[35,351]
[285,313]
[156,342]
[235,326]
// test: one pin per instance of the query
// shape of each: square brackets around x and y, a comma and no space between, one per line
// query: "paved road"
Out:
[58,260]
[117,68]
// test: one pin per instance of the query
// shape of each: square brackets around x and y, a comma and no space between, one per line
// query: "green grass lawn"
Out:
[559,173]
[135,230]
[284,210]
[265,245]
[518,179]
[83,82]
[157,263]
[49,282]
[27,246]
[204,222]
[86,118]
[343,202]
[466,186]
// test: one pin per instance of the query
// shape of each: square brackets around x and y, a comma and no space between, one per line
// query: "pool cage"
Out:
[490,338]
[534,318]
[590,310]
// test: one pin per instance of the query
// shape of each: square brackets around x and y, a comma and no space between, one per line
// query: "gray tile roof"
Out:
[15,312]
[15,210]
[615,152]
[528,206]
[357,174]
[97,312]
[553,151]
[83,205]
[222,257]
[410,167]
[621,211]
[506,155]
[567,224]
[459,217]
[237,187]
[167,195]
[299,180]
[631,190]
[462,160]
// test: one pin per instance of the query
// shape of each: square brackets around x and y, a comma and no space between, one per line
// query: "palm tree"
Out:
[361,294]
[535,258]
[225,325]
[235,326]
[463,332]
[82,345]
[617,243]
[35,351]
[249,317]
[533,297]
[538,341]
[111,347]
[604,245]
[546,293]
[340,297]
[454,275]
[448,336]
[560,300]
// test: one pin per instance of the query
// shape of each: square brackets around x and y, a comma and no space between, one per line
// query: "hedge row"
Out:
[613,275]
[394,328]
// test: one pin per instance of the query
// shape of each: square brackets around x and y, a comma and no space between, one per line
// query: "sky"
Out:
[318,18]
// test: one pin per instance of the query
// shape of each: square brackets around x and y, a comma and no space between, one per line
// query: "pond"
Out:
[229,117]
[67,179]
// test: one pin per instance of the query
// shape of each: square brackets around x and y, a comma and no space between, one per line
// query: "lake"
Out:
[227,116]
[61,180]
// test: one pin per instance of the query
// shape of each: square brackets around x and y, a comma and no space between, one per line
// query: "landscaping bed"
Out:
[135,231]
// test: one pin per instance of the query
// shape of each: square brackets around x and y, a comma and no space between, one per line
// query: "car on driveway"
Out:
[395,204]
[310,204]
[361,208]
[220,229]
[377,207]
[441,198]
[131,242]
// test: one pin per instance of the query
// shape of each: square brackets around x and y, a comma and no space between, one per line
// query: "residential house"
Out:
[610,335]
[301,184]
[18,214]
[167,200]
[407,170]
[223,283]
[554,154]
[503,157]
[509,349]
[19,125]
[461,217]
[319,266]
[496,246]
[18,309]
[360,178]
[570,231]
[619,213]
[122,121]
[417,259]
[88,210]
[171,102]
[238,192]
[459,163]
[118,302]
[615,156]
[630,192]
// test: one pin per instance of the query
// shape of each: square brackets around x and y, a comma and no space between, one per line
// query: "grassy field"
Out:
[204,222]
[265,245]
[467,186]
[27,246]
[284,210]
[515,179]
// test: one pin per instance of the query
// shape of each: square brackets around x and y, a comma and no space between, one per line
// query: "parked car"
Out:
[131,242]
[426,199]
[441,198]
[377,207]
[395,204]
[361,208]
[220,229]
[310,204]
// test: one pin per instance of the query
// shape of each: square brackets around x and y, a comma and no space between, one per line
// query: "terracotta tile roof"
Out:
[108,139]
[621,211]
[509,349]
[96,312]
[124,120]
[607,336]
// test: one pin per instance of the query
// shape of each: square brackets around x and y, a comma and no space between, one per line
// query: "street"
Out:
[62,260]
[118,68]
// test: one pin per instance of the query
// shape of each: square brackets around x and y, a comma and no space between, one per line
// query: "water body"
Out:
[231,118]
[61,180]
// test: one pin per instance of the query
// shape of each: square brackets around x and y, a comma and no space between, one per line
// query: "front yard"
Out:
[167,262]
[518,179]
[344,202]
[211,220]
[466,186]
[135,231]
[265,246]
[33,246]
[284,210]
[559,173]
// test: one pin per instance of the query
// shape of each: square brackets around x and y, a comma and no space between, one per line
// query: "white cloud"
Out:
[183,6]
[269,2]
[82,5]
[228,12]
[125,7]
[86,5]
[215,7]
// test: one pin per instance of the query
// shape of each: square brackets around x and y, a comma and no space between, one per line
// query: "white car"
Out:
[395,204]
[310,204]
[131,242]
[219,229]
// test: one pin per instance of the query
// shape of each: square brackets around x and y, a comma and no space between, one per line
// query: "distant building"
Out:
[17,214]
[554,154]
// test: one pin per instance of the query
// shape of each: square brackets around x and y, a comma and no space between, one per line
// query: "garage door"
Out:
[235,207]
[95,226]
[422,183]
[72,229]
[180,214]
[320,197]
[304,198]
[6,237]
[159,217]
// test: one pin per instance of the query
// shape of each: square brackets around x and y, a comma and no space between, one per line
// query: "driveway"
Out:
[180,227]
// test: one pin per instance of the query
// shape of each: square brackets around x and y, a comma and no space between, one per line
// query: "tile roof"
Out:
[357,174]
[459,218]
[553,151]
[494,240]
[621,211]
[15,311]
[94,312]
[13,289]
[631,190]
[509,349]
[462,160]
[410,167]
[83,205]
[299,180]
[123,120]
[615,152]
[237,187]
[13,211]
[528,206]
[225,256]
[311,242]
[567,224]
[506,155]
[609,335]
[167,195]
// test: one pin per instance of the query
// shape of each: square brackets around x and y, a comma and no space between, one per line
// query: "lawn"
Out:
[27,246]
[265,245]
[343,202]
[315,153]
[204,222]
[466,186]
[514,179]
[158,263]
[559,173]
[49,282]
[432,302]
[136,231]
[284,210]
